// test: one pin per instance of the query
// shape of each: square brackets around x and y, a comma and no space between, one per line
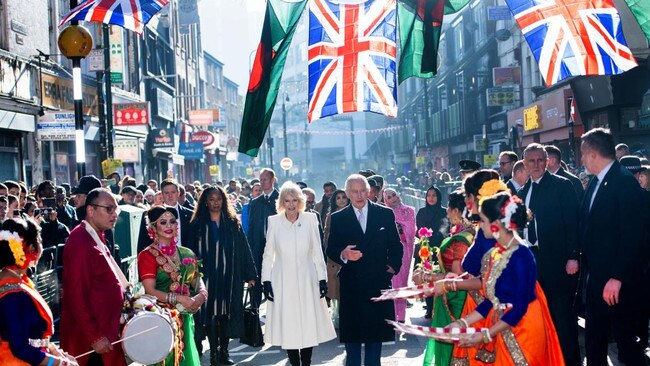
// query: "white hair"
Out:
[356,178]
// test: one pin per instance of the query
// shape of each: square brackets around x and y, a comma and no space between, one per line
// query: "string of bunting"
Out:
[354,132]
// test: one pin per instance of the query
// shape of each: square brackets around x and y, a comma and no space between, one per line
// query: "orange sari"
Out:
[13,285]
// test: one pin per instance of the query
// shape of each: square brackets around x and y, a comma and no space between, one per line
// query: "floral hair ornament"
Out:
[509,208]
[490,188]
[16,246]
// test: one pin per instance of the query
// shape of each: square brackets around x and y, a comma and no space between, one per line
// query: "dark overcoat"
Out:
[260,210]
[361,319]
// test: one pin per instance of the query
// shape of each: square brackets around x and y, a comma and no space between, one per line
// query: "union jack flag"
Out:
[573,37]
[130,14]
[352,58]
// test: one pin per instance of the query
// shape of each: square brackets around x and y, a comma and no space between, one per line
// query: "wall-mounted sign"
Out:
[204,117]
[532,118]
[164,104]
[500,96]
[58,94]
[506,75]
[56,127]
[191,150]
[128,151]
[205,137]
[162,137]
[126,114]
[117,58]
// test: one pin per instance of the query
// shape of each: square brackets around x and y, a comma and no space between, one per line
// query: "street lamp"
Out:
[76,42]
[284,129]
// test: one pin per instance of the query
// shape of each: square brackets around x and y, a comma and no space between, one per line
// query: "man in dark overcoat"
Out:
[611,236]
[260,209]
[555,167]
[553,238]
[364,241]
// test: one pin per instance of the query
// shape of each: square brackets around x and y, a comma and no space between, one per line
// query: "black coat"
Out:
[555,210]
[259,212]
[612,235]
[361,319]
[242,270]
[187,234]
[575,181]
[53,233]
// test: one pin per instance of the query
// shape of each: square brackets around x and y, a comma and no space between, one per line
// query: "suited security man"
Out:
[611,237]
[555,167]
[519,177]
[170,192]
[260,209]
[553,238]
[364,241]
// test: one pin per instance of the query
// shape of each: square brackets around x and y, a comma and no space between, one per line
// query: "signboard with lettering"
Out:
[207,138]
[164,104]
[128,151]
[58,94]
[506,75]
[110,165]
[56,127]
[128,114]
[191,150]
[500,96]
[162,137]
[202,117]
[532,118]
[117,57]
[490,160]
[96,60]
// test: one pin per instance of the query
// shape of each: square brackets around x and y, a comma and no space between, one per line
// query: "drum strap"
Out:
[109,258]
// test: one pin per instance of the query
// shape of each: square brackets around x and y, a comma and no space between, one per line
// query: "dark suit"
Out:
[260,210]
[362,320]
[555,211]
[612,235]
[575,181]
[511,186]
[187,235]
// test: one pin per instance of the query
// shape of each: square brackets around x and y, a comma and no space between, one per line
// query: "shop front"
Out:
[549,120]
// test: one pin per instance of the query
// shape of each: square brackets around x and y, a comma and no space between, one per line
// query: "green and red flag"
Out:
[641,11]
[420,24]
[280,23]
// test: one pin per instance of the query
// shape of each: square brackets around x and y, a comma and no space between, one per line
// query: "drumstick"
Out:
[121,340]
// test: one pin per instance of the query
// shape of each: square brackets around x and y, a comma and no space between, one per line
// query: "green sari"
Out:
[439,353]
[164,282]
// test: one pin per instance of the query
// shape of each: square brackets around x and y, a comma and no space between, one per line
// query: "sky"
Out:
[230,30]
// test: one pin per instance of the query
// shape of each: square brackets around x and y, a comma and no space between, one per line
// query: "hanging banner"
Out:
[128,114]
[162,137]
[56,127]
[115,40]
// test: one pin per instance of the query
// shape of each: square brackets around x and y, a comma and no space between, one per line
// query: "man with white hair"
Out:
[364,241]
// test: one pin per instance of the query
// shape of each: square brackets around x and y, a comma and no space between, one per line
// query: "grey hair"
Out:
[356,178]
[535,147]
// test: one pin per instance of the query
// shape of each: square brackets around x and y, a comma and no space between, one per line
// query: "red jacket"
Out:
[92,298]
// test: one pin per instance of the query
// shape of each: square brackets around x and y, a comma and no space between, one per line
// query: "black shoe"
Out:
[427,315]
[224,359]
[214,357]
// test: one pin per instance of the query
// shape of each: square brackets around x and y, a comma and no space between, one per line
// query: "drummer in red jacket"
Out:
[93,287]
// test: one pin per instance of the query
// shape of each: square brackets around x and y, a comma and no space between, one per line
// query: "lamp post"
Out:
[284,130]
[75,43]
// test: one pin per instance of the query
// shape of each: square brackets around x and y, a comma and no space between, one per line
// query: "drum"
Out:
[155,344]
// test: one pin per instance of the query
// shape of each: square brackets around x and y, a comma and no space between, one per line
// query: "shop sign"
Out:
[214,170]
[203,117]
[96,60]
[506,75]
[128,114]
[205,137]
[480,143]
[191,150]
[490,159]
[110,165]
[500,96]
[128,151]
[58,94]
[164,105]
[162,137]
[56,127]
[116,57]
[532,118]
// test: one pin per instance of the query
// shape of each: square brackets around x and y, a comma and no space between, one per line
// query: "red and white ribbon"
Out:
[442,334]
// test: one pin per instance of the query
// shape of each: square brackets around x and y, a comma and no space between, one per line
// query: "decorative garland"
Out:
[354,132]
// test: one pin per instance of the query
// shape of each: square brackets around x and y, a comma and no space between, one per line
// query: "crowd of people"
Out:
[517,254]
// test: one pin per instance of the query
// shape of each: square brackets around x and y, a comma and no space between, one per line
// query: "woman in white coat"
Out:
[294,279]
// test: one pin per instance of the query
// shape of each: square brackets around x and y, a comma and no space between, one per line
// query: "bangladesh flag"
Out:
[420,24]
[641,11]
[280,22]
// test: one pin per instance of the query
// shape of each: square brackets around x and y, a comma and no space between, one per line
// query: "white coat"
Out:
[293,262]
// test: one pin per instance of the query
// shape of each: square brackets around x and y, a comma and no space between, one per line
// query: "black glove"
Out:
[268,290]
[322,285]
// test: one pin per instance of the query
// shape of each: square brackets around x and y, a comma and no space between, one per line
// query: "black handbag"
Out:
[252,328]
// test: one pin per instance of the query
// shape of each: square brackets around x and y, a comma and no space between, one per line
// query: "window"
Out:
[218,77]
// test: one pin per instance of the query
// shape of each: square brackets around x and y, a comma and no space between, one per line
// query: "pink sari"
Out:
[405,220]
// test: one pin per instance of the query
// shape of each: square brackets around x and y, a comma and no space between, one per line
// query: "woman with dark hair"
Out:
[431,216]
[519,326]
[170,273]
[26,321]
[228,263]
[338,201]
[449,306]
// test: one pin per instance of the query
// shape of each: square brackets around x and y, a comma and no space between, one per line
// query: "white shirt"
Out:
[516,185]
[178,237]
[601,177]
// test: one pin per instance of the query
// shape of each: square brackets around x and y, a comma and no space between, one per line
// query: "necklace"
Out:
[167,249]
[501,248]
[171,257]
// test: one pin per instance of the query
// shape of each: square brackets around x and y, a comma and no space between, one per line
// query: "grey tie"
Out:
[361,221]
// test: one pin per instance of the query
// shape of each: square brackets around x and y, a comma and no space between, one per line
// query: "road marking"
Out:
[254,353]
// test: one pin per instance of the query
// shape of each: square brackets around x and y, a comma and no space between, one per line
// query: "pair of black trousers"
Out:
[300,357]
[565,320]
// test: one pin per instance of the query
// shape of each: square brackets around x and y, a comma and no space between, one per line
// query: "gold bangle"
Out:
[463,323]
